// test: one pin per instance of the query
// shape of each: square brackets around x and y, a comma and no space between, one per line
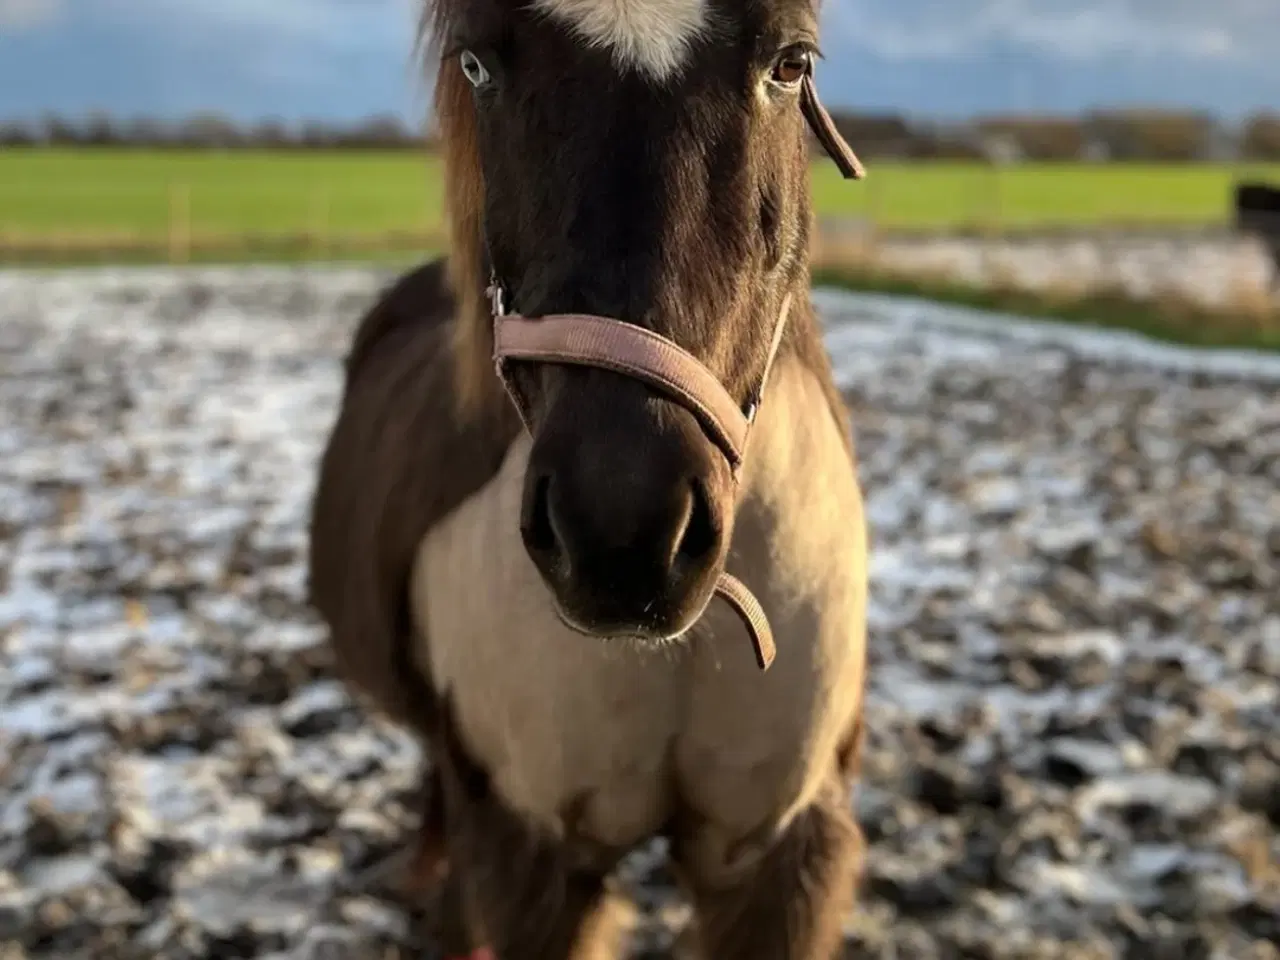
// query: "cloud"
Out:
[1070,30]
[17,15]
[350,57]
[249,58]
[342,23]
[280,42]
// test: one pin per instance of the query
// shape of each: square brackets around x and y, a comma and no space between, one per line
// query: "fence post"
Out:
[320,220]
[874,204]
[995,200]
[179,223]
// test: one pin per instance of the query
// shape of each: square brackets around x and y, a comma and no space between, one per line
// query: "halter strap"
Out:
[824,128]
[647,356]
[588,340]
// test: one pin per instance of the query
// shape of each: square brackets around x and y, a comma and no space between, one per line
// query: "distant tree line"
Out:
[1100,136]
[210,131]
[1132,135]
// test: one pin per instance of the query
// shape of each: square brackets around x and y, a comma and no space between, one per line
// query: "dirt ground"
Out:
[1074,725]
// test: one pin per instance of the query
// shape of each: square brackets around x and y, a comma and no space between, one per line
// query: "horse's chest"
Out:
[558,719]
[625,737]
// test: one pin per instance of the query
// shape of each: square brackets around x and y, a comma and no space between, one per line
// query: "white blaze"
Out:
[652,36]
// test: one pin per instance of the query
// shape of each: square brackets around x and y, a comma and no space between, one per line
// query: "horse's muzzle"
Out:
[629,529]
[626,515]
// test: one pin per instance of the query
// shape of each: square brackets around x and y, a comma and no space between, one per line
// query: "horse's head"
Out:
[644,161]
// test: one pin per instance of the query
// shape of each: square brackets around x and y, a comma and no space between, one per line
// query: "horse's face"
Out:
[643,160]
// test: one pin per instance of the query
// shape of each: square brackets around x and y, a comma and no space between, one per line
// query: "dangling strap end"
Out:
[847,161]
[764,651]
[824,128]
[748,608]
[854,170]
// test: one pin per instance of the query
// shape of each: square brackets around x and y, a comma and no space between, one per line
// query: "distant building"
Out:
[1003,149]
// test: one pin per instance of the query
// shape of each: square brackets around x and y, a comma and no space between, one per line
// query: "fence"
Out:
[941,230]
[104,205]
[180,235]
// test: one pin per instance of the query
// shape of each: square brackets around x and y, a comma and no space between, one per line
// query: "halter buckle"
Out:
[497,297]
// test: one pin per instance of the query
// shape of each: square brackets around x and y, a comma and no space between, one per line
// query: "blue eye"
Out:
[474,69]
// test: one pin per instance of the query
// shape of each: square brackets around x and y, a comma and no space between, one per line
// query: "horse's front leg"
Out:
[524,899]
[791,902]
[526,894]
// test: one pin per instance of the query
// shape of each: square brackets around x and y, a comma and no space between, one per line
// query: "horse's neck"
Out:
[801,504]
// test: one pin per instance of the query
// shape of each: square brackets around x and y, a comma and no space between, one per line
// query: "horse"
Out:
[590,471]
[1257,212]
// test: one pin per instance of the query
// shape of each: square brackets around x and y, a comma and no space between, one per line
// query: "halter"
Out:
[610,344]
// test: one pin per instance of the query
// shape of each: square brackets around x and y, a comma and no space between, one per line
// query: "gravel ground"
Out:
[1074,740]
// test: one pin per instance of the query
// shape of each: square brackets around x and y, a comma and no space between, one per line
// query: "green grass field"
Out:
[111,191]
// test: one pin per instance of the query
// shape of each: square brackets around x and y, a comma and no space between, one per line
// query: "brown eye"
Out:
[791,68]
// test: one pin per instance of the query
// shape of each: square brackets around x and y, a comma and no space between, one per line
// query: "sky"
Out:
[343,59]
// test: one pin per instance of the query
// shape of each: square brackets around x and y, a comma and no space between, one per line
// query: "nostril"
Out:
[700,533]
[537,529]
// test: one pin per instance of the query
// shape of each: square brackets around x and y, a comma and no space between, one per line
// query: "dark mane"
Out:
[380,488]
[472,341]
[435,18]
